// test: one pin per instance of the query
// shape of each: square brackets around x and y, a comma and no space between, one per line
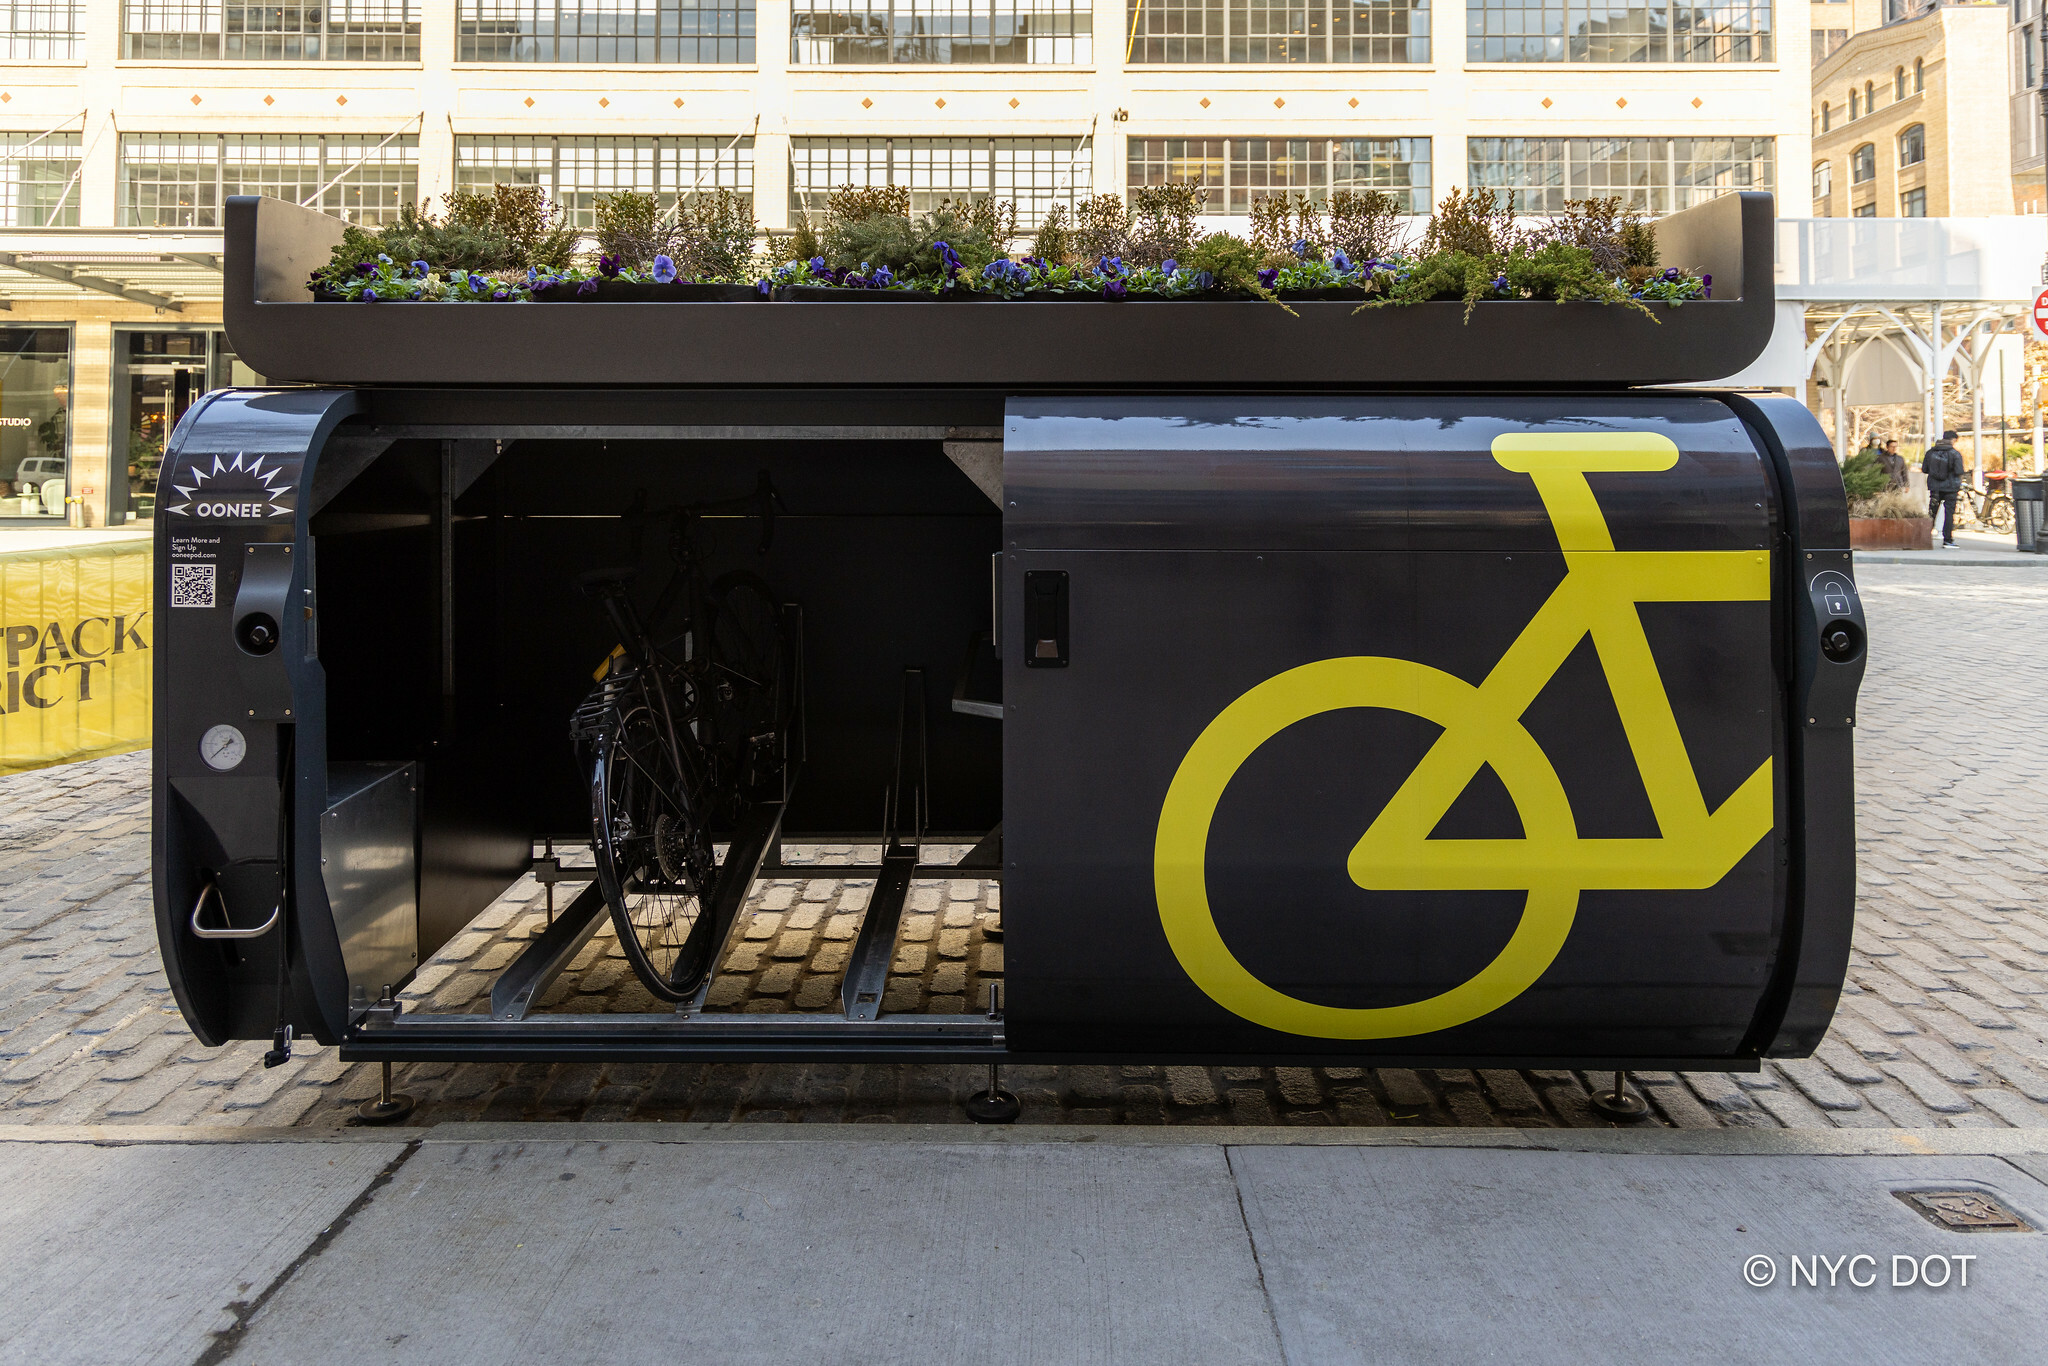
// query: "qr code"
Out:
[191,585]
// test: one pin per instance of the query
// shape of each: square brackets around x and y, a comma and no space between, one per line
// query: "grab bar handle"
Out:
[213,889]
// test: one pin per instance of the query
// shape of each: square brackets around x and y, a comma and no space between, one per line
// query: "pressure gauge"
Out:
[223,747]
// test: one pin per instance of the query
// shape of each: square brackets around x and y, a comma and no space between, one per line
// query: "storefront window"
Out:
[35,396]
[160,375]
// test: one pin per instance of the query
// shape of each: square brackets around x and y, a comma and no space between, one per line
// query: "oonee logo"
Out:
[236,488]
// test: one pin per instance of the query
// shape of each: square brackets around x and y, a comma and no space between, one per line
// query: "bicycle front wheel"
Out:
[654,859]
[2000,515]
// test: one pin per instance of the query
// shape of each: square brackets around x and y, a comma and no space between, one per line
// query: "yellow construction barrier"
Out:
[75,625]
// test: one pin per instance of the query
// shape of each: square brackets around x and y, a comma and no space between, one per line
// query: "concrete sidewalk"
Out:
[734,1243]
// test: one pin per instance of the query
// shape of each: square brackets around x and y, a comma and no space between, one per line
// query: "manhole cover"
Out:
[1964,1211]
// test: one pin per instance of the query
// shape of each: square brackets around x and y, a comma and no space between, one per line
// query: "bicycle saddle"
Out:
[600,582]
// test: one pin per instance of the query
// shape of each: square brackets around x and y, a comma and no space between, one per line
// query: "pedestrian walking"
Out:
[1943,466]
[1894,464]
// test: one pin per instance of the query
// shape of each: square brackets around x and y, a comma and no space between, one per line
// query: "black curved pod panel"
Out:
[1013,347]
[299,872]
[238,758]
[1827,651]
[1444,729]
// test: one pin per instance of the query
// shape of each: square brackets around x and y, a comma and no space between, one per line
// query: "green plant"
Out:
[531,227]
[804,238]
[713,238]
[1233,263]
[52,431]
[632,228]
[1638,240]
[1367,226]
[857,203]
[1476,223]
[994,219]
[1165,223]
[947,224]
[877,240]
[1054,242]
[1102,228]
[1279,222]
[1561,271]
[1890,504]
[1863,477]
[1620,241]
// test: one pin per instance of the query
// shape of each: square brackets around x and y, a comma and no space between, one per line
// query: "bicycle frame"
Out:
[1551,862]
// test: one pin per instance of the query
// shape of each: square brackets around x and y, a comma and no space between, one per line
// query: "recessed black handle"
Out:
[1045,619]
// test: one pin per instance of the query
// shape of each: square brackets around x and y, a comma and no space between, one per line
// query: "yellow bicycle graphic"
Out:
[1482,725]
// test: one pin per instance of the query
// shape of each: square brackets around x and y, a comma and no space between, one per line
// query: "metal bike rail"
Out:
[396,1037]
[531,973]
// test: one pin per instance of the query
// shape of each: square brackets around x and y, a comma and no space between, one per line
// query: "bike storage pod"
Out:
[1477,708]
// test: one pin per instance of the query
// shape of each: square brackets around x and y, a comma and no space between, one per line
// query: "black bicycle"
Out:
[680,736]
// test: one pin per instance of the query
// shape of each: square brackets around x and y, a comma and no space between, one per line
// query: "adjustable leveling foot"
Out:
[1620,1103]
[995,1105]
[387,1108]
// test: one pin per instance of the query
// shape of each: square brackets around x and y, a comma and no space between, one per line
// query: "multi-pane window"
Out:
[1590,31]
[1824,41]
[181,180]
[1913,204]
[577,172]
[1863,164]
[1277,31]
[604,30]
[937,32]
[1823,180]
[42,29]
[1913,145]
[213,30]
[38,182]
[1656,175]
[1237,171]
[1032,173]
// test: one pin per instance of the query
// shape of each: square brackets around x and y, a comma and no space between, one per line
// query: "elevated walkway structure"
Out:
[1891,305]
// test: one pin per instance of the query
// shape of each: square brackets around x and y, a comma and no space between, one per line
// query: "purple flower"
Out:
[1267,277]
[1340,263]
[1110,265]
[1115,290]
[1301,249]
[366,267]
[818,268]
[1500,283]
[1168,267]
[422,268]
[664,271]
[763,288]
[501,295]
[883,277]
[369,296]
[1707,286]
[607,266]
[478,283]
[587,287]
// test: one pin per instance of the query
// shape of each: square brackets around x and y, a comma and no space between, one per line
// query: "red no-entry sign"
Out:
[2038,319]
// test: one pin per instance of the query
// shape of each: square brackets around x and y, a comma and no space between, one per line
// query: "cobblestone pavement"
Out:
[1945,1021]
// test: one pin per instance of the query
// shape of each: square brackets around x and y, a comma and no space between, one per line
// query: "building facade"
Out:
[128,124]
[2025,77]
[1910,119]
